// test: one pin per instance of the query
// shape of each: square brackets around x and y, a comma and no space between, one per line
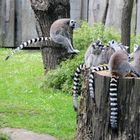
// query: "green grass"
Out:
[25,104]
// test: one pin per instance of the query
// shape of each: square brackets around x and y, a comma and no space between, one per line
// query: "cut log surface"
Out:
[93,118]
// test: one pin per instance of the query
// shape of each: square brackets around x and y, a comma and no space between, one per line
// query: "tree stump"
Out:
[46,12]
[93,121]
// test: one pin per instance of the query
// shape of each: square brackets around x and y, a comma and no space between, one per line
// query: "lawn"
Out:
[24,103]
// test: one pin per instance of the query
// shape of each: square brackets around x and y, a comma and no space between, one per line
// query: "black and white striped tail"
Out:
[91,83]
[113,92]
[75,88]
[25,44]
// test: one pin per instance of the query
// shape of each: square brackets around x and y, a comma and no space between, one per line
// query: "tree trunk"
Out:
[46,12]
[93,121]
[126,22]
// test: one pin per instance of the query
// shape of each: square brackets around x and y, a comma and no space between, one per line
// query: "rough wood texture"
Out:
[93,121]
[52,53]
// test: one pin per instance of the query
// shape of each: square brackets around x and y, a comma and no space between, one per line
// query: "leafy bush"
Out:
[61,78]
[4,136]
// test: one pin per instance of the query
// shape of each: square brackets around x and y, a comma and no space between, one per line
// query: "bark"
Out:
[93,121]
[46,12]
[126,22]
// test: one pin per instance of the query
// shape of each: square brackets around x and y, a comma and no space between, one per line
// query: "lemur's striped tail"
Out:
[113,92]
[91,83]
[75,88]
[25,44]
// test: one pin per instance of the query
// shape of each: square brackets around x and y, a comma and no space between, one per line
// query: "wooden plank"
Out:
[84,11]
[28,26]
[18,27]
[75,9]
[96,11]
[114,14]
[9,23]
[133,19]
[2,22]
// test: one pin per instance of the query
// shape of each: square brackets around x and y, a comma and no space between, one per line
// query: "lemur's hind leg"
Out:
[60,39]
[71,47]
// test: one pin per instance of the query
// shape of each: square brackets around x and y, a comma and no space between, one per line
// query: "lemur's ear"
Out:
[135,47]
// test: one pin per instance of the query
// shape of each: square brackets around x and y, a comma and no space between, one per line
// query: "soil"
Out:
[22,134]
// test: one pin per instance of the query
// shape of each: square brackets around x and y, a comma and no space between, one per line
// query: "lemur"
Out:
[117,46]
[94,56]
[58,33]
[136,56]
[119,67]
[113,46]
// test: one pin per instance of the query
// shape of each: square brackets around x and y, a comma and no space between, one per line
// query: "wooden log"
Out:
[93,121]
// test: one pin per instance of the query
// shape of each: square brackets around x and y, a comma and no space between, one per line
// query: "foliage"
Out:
[134,40]
[4,136]
[24,104]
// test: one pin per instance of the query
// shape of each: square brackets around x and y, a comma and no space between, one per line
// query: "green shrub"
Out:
[134,40]
[4,136]
[61,78]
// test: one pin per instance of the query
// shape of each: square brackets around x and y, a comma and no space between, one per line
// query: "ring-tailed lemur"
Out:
[112,45]
[118,67]
[136,56]
[96,51]
[93,54]
[58,33]
[117,46]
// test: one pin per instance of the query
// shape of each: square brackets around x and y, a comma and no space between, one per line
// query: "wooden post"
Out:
[93,121]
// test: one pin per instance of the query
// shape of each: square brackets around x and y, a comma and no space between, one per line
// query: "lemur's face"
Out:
[98,47]
[72,24]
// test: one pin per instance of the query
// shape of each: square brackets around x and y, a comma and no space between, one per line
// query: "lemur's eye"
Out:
[113,41]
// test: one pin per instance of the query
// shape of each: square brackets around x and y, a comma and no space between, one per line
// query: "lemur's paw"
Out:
[74,51]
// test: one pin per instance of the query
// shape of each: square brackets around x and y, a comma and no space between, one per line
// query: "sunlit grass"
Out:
[25,104]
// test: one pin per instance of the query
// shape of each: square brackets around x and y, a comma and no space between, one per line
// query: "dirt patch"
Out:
[22,134]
